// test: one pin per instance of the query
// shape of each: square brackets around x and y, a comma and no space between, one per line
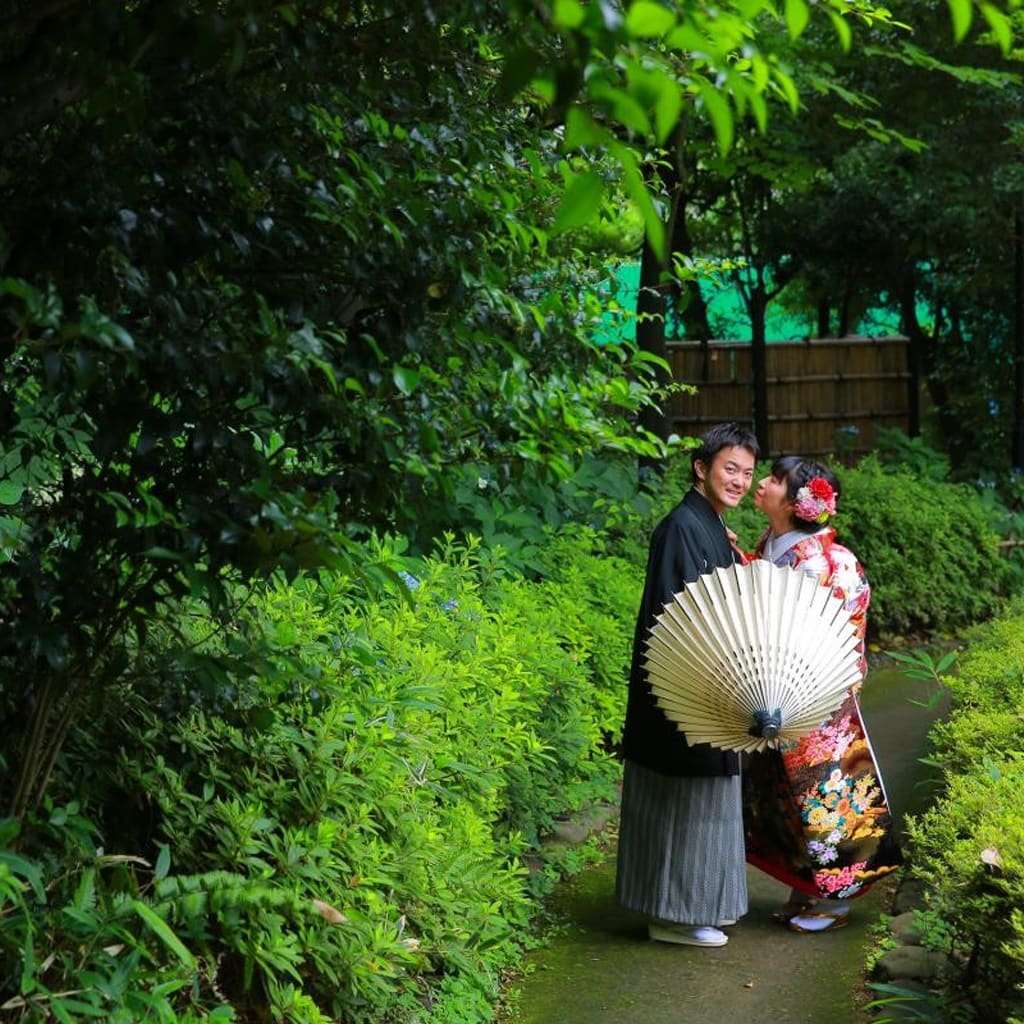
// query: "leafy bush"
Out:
[898,452]
[520,514]
[1000,493]
[600,591]
[343,835]
[974,737]
[928,549]
[969,846]
[80,940]
[969,850]
[991,669]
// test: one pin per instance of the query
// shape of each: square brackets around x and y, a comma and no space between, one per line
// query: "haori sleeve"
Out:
[849,582]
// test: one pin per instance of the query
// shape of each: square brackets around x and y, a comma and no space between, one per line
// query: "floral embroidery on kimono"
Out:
[815,811]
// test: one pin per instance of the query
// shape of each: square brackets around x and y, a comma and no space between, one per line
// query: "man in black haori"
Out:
[681,859]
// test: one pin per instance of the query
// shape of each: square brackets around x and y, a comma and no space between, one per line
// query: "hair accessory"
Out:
[815,501]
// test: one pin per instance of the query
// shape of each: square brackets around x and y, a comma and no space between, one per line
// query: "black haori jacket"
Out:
[689,541]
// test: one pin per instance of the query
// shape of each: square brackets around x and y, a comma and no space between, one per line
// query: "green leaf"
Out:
[788,88]
[85,891]
[719,114]
[667,110]
[902,656]
[10,493]
[158,551]
[686,37]
[163,862]
[406,379]
[797,16]
[624,107]
[63,1006]
[633,182]
[580,202]
[568,14]
[28,870]
[961,12]
[1000,26]
[162,931]
[581,129]
[842,30]
[759,108]
[649,20]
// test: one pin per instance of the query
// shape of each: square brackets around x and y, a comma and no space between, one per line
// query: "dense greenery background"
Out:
[299,305]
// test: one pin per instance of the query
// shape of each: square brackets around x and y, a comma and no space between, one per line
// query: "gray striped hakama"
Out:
[681,856]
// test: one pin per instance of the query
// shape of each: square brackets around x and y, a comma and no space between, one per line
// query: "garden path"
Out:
[599,967]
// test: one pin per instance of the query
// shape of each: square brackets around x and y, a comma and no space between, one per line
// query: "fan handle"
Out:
[767,725]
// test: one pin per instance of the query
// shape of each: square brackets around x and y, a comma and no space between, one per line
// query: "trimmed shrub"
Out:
[968,847]
[928,549]
[969,851]
[975,736]
[991,669]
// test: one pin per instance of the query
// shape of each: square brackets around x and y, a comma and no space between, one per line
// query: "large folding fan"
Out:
[746,657]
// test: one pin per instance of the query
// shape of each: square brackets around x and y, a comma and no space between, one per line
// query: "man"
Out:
[681,856]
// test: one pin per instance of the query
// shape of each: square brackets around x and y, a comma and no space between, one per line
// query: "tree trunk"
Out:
[844,315]
[758,307]
[652,298]
[33,745]
[691,306]
[1017,437]
[650,337]
[917,341]
[824,318]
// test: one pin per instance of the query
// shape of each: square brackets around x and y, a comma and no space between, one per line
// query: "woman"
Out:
[815,811]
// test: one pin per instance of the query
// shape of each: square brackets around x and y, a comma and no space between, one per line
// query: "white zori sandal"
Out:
[687,935]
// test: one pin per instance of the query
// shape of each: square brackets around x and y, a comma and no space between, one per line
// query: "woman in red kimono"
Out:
[815,811]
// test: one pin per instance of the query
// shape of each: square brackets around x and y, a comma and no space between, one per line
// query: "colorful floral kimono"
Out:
[815,811]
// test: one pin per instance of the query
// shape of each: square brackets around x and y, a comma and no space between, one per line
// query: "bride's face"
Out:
[770,497]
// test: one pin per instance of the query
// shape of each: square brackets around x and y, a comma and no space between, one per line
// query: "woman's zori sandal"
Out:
[810,916]
[793,908]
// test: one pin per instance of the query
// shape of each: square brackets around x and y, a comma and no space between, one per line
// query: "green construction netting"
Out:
[728,315]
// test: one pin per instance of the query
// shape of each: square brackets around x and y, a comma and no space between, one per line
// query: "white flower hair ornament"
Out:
[815,502]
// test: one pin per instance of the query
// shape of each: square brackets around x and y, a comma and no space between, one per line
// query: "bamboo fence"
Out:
[825,396]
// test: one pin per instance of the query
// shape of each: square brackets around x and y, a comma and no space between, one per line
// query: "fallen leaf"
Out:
[328,913]
[990,857]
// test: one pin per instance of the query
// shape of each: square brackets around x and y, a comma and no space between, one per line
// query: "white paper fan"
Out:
[751,655]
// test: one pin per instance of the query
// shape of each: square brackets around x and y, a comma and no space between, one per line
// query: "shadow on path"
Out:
[600,968]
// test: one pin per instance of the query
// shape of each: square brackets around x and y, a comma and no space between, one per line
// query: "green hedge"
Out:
[968,847]
[929,551]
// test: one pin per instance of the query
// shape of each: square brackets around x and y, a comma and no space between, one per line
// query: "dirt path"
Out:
[599,967]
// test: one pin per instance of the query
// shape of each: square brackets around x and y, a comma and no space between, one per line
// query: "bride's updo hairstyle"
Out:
[812,487]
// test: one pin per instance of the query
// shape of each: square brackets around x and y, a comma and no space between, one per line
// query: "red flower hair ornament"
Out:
[815,501]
